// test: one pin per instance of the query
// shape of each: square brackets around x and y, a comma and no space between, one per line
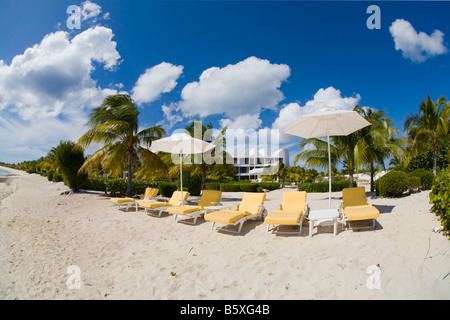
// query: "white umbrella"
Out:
[327,122]
[181,143]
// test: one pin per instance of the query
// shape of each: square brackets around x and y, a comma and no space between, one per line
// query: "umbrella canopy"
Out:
[181,143]
[327,122]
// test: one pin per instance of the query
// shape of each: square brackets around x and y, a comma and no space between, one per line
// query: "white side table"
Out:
[325,216]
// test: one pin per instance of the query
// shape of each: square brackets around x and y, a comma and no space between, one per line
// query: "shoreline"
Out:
[129,255]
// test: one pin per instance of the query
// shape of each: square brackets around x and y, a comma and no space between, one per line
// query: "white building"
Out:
[251,164]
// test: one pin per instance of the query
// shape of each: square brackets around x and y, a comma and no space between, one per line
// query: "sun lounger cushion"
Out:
[294,201]
[354,197]
[225,216]
[182,210]
[122,200]
[210,198]
[150,193]
[283,217]
[363,212]
[250,202]
[173,201]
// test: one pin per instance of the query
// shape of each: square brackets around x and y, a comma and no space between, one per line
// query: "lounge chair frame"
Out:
[345,222]
[194,214]
[300,224]
[240,221]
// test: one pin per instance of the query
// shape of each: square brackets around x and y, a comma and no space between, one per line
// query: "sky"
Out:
[250,65]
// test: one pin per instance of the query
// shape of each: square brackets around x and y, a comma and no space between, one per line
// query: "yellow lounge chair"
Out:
[293,209]
[209,198]
[149,196]
[163,205]
[121,202]
[354,207]
[251,207]
[127,201]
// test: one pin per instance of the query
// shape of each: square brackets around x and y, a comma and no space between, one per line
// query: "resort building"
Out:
[252,164]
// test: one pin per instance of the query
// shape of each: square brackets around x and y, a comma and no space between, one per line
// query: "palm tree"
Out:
[196,127]
[381,140]
[69,157]
[368,145]
[429,127]
[115,124]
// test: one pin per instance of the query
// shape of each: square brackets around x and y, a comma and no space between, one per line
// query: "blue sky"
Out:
[241,64]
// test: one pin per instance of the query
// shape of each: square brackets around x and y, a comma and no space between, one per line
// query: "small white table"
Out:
[325,216]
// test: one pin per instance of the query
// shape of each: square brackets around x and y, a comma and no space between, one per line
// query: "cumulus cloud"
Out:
[323,98]
[47,91]
[53,77]
[159,79]
[171,116]
[417,47]
[246,121]
[235,90]
[90,10]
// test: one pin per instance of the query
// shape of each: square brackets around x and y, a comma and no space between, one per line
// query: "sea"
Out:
[4,172]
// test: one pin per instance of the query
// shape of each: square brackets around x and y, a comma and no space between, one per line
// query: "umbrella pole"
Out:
[181,177]
[329,172]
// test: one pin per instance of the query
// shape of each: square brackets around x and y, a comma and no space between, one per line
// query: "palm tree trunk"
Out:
[435,160]
[372,173]
[130,175]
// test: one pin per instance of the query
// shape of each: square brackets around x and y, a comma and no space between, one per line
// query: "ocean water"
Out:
[4,172]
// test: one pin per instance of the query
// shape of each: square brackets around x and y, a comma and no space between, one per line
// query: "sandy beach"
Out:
[129,255]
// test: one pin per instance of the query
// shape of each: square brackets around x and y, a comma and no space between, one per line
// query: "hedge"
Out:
[426,178]
[440,198]
[392,184]
[166,188]
[336,186]
[230,187]
[212,185]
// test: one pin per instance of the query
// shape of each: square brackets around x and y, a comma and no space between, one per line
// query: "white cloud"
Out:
[53,77]
[324,98]
[236,90]
[29,140]
[90,10]
[171,114]
[46,92]
[245,122]
[159,79]
[417,47]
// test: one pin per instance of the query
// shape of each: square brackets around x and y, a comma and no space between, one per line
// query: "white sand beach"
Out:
[129,255]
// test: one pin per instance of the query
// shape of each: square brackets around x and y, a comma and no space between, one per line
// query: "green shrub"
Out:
[166,188]
[392,184]
[249,187]
[230,187]
[139,185]
[116,185]
[50,176]
[57,177]
[426,178]
[194,185]
[336,186]
[212,185]
[440,198]
[95,184]
[70,157]
[269,185]
[413,182]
